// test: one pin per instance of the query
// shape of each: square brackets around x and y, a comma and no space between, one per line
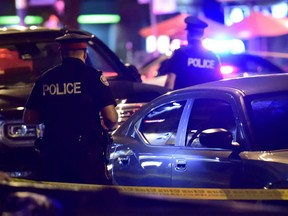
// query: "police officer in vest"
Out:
[67,99]
[192,64]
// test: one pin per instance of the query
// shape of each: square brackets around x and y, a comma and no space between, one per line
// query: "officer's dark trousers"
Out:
[72,163]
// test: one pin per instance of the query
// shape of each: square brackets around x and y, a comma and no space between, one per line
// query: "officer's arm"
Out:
[31,116]
[110,117]
[170,81]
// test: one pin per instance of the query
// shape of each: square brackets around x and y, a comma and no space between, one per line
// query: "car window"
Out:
[270,121]
[23,63]
[207,114]
[159,127]
[97,61]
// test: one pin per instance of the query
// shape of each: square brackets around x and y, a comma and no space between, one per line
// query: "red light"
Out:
[226,69]
[110,74]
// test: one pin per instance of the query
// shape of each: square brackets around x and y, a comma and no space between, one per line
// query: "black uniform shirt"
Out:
[193,65]
[69,98]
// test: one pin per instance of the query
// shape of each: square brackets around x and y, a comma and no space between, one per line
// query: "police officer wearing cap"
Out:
[192,64]
[67,99]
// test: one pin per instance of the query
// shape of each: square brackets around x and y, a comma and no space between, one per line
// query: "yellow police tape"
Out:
[183,193]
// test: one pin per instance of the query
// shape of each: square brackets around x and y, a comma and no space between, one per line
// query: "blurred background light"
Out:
[237,46]
[98,18]
[279,10]
[33,20]
[41,3]
[151,44]
[14,20]
[236,15]
[163,43]
[224,46]
[175,44]
[227,69]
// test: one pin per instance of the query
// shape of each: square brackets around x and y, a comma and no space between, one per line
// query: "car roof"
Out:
[35,34]
[238,59]
[245,85]
[29,34]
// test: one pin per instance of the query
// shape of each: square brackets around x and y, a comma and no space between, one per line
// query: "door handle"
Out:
[181,165]
[123,161]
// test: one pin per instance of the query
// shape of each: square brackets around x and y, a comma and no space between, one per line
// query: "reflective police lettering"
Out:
[201,63]
[62,89]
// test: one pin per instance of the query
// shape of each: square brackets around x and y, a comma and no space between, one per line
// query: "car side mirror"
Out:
[216,138]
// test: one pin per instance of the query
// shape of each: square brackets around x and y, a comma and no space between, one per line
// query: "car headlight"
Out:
[20,131]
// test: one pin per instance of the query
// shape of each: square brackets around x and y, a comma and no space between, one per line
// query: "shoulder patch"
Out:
[104,80]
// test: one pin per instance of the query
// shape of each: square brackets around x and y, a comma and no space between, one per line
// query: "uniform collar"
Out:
[74,60]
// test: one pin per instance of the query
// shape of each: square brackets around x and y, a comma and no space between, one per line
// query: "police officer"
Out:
[68,99]
[192,64]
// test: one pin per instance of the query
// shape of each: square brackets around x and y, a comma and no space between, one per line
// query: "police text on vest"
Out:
[62,88]
[201,63]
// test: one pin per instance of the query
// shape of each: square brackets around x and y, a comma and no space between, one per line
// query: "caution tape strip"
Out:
[183,193]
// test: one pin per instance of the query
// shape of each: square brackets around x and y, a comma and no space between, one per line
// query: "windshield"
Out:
[22,63]
[269,114]
[101,62]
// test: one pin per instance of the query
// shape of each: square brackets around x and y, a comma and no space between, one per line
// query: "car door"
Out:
[195,165]
[144,158]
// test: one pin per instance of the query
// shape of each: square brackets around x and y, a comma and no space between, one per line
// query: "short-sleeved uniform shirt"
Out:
[193,65]
[69,98]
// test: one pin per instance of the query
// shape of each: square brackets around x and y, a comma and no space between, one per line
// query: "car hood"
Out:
[13,98]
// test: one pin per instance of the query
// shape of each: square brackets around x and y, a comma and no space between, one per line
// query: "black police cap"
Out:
[73,41]
[194,22]
[73,38]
